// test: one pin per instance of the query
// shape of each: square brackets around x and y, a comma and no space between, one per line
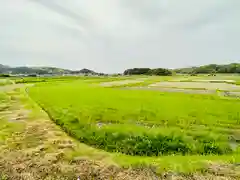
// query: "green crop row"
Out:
[141,145]
[92,79]
[180,123]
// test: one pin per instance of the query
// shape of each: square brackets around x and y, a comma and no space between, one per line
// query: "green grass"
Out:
[91,79]
[143,123]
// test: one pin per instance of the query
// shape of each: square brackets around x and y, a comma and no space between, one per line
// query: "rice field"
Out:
[143,123]
[122,123]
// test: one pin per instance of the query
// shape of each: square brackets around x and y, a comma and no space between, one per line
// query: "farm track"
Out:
[38,151]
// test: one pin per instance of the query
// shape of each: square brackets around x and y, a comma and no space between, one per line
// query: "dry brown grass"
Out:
[38,149]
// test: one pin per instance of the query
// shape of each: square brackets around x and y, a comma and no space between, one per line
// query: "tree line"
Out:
[211,68]
[148,71]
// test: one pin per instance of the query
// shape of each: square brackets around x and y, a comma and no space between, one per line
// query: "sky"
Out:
[114,35]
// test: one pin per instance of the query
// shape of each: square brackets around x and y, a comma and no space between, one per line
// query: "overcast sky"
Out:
[112,35]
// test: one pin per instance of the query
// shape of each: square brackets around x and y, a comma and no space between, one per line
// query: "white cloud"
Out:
[112,35]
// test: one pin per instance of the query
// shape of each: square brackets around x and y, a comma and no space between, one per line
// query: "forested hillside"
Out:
[212,68]
[148,71]
[41,70]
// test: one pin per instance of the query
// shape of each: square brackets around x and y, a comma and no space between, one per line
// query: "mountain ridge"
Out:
[41,70]
[210,68]
[204,69]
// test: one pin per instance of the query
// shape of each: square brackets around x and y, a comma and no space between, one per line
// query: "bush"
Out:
[5,75]
[148,71]
[160,72]
[137,71]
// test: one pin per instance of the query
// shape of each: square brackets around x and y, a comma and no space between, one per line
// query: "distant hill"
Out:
[84,71]
[206,69]
[211,68]
[148,71]
[3,67]
[41,70]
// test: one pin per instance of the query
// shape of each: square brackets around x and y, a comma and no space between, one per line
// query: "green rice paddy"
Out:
[142,123]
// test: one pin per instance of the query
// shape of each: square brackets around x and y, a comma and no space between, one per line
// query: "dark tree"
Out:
[137,71]
[211,69]
[160,72]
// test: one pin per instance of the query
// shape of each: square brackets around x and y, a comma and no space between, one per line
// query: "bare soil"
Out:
[165,89]
[203,85]
[189,91]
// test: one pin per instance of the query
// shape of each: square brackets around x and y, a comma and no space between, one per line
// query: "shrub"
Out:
[160,72]
[5,75]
